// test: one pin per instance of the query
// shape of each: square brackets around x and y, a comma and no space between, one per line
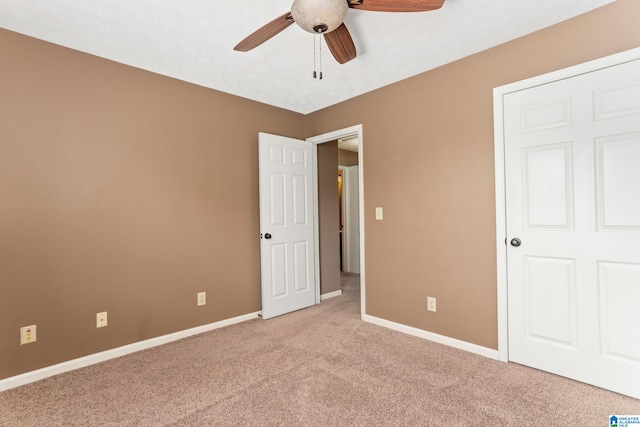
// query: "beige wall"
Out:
[128,192]
[121,191]
[347,158]
[328,217]
[428,161]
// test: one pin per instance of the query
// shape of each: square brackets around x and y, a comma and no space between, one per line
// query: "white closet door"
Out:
[572,166]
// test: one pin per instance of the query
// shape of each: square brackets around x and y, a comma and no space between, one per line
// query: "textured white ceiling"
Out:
[193,40]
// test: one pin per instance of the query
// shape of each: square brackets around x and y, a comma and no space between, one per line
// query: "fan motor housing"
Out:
[319,16]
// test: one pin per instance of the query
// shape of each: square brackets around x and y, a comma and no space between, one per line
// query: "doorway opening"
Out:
[349,207]
[352,136]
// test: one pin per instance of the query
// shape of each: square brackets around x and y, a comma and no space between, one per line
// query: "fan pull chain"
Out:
[317,55]
[320,54]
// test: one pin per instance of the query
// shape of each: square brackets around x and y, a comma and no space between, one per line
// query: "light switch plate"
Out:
[379,214]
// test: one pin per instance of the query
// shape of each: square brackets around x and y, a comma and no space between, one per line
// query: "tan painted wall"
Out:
[347,158]
[121,191]
[428,160]
[125,191]
[328,217]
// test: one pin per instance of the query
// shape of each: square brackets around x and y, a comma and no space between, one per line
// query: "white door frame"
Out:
[343,210]
[501,223]
[328,137]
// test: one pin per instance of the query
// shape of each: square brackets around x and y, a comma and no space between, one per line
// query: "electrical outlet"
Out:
[202,298]
[27,334]
[431,304]
[101,319]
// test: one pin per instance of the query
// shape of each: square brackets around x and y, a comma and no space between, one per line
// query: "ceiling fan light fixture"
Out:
[319,16]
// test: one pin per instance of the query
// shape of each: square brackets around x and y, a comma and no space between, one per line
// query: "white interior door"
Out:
[287,246]
[572,167]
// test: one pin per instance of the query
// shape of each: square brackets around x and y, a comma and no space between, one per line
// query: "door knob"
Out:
[267,236]
[516,242]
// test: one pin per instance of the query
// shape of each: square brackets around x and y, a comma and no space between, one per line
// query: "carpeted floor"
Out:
[316,367]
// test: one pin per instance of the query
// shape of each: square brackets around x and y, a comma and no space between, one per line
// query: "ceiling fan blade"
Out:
[341,44]
[396,5]
[264,33]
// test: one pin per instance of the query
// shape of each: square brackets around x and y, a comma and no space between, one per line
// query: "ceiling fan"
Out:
[326,17]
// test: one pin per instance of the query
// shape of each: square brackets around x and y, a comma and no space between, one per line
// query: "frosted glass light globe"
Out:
[319,16]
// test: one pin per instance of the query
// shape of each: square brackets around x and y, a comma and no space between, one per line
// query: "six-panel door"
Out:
[286,215]
[572,165]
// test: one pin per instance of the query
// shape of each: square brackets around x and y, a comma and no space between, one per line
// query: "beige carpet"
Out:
[317,367]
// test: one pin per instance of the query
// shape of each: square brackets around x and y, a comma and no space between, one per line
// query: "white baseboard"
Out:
[441,339]
[331,295]
[92,359]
